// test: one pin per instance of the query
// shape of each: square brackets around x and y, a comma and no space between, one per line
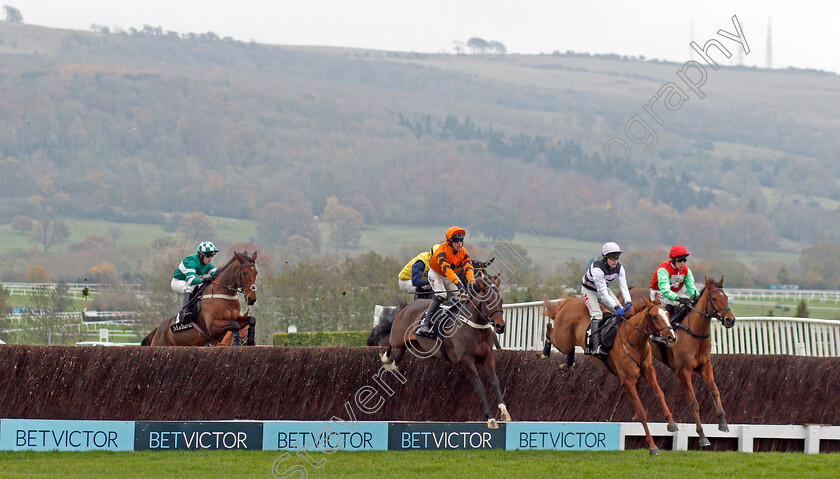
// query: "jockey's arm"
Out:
[663,281]
[690,287]
[622,285]
[418,270]
[603,290]
[469,271]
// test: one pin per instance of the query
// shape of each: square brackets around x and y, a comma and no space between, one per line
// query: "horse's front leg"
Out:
[709,378]
[469,366]
[490,367]
[650,374]
[685,378]
[629,385]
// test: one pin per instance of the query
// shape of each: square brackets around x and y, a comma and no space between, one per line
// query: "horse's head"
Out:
[246,280]
[488,300]
[658,321]
[717,303]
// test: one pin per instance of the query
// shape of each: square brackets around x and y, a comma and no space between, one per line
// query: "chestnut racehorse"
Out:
[629,357]
[220,309]
[466,340]
[692,351]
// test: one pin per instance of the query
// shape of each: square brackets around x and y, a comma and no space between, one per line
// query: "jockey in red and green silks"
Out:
[673,281]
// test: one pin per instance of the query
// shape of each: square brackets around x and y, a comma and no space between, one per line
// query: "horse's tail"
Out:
[382,330]
[550,307]
[147,341]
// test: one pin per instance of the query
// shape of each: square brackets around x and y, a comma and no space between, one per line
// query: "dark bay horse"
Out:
[466,340]
[220,308]
[692,351]
[629,357]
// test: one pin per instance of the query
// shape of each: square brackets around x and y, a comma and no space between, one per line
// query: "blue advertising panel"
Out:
[405,436]
[164,436]
[325,436]
[563,436]
[58,435]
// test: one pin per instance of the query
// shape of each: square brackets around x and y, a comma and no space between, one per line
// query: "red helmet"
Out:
[678,250]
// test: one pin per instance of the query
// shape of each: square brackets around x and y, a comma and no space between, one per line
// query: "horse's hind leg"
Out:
[570,361]
[546,352]
[685,378]
[709,377]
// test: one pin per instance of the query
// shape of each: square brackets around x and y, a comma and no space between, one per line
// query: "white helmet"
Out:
[610,248]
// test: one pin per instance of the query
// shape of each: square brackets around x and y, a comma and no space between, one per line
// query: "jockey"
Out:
[673,282]
[446,257]
[414,277]
[595,291]
[193,270]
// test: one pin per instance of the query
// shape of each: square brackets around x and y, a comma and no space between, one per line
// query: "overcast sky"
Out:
[805,34]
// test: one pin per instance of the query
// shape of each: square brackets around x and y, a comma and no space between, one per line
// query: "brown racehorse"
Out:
[465,341]
[692,351]
[629,357]
[220,309]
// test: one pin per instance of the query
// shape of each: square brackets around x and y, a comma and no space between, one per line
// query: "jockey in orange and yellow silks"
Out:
[447,257]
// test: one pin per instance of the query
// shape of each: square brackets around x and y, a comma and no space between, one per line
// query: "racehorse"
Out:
[627,360]
[692,351]
[219,308]
[465,340]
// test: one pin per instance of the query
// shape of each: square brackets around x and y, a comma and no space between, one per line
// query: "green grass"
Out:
[417,464]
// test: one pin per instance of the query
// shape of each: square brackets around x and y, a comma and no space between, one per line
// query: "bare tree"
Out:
[497,47]
[477,45]
[13,14]
[49,231]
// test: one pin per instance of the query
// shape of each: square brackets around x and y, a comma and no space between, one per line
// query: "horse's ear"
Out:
[489,262]
[497,279]
[647,301]
[255,256]
[721,279]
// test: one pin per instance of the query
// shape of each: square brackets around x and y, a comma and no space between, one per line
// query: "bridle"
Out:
[718,314]
[657,332]
[241,282]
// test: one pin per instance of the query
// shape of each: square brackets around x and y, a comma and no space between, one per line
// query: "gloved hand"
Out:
[684,301]
[461,289]
[620,311]
[629,309]
[207,278]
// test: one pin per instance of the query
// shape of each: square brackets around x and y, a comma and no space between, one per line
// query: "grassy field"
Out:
[419,464]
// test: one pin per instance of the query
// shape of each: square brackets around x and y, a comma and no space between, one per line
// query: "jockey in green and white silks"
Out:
[193,270]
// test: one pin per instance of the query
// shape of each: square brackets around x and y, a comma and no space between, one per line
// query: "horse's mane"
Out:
[220,270]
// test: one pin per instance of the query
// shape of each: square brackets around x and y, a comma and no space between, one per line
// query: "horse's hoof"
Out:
[672,428]
[704,441]
[723,427]
[655,451]
[541,356]
[492,424]
[384,358]
[505,413]
[566,367]
[389,367]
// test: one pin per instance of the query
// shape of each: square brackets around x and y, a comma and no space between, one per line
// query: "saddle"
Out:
[444,315]
[609,329]
[188,313]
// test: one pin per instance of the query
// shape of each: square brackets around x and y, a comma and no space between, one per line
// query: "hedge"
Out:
[332,338]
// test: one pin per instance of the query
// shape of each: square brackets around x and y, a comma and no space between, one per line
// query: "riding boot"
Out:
[425,328]
[598,349]
[185,315]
